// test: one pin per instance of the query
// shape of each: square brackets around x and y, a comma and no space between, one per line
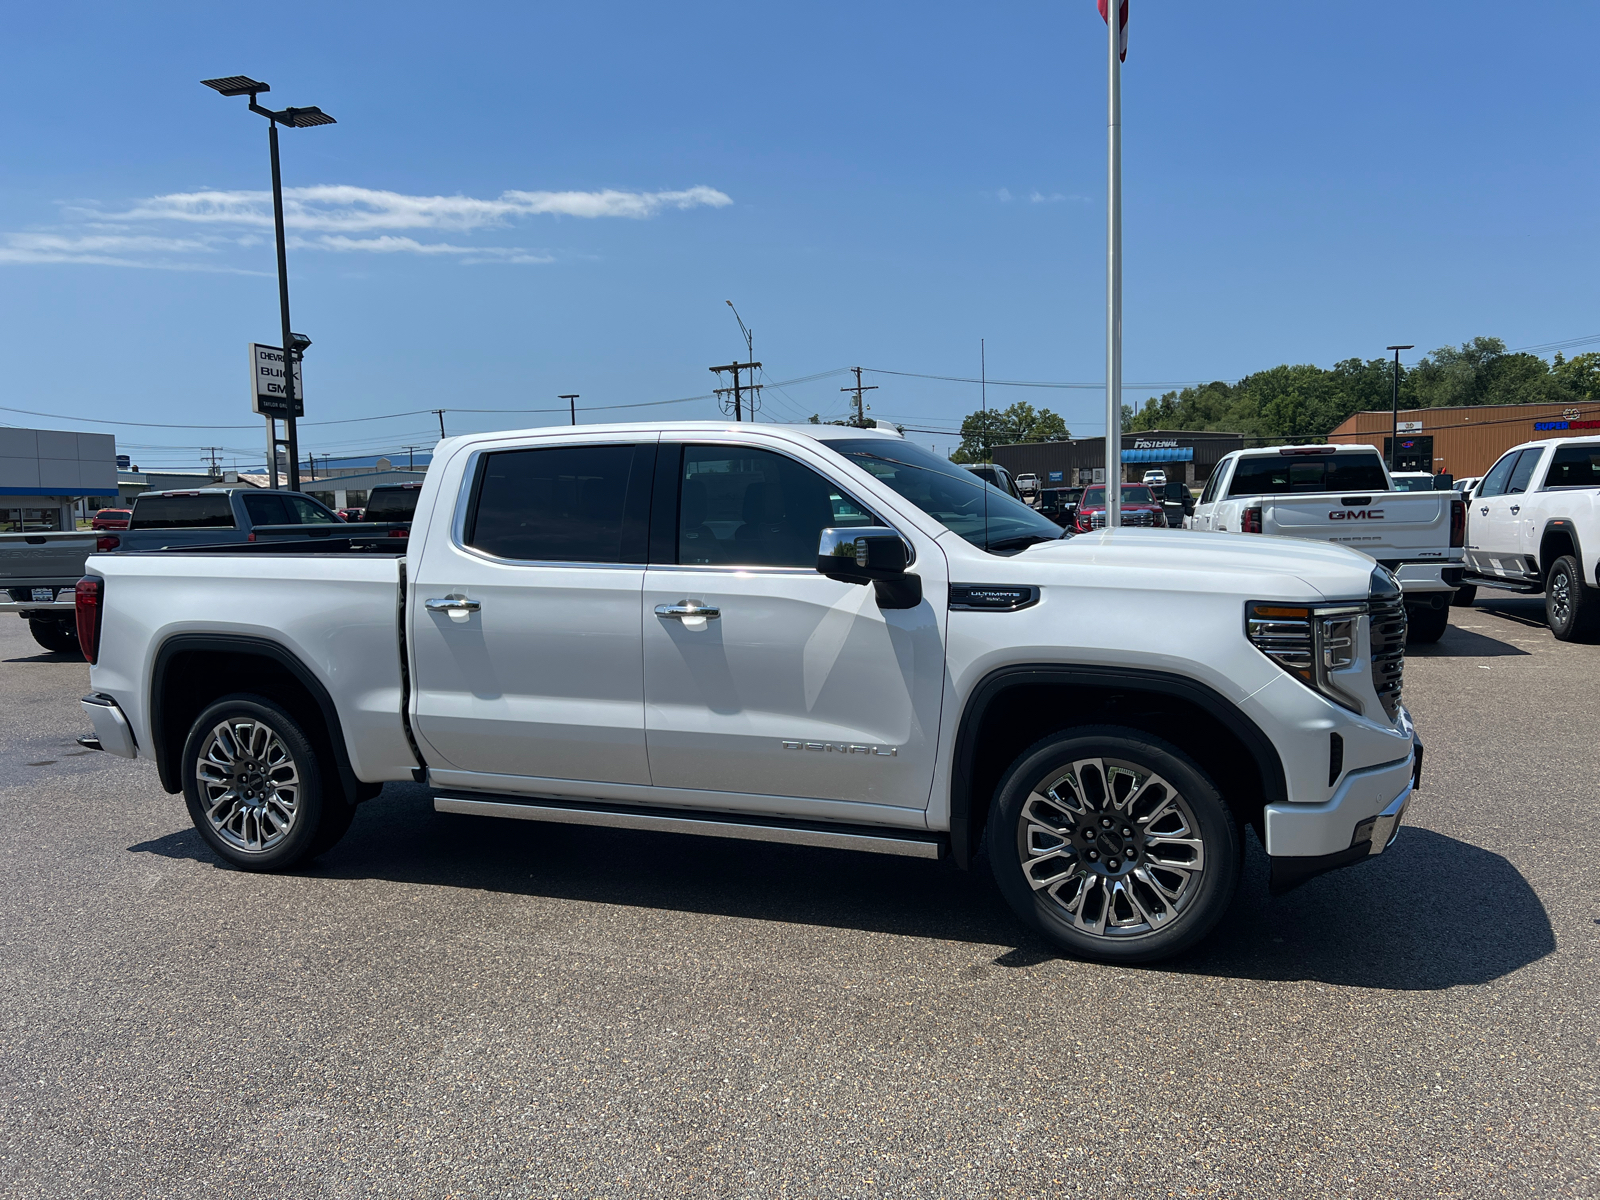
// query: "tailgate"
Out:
[39,559]
[1382,524]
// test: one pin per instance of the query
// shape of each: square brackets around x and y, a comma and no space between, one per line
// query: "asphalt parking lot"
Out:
[451,1006]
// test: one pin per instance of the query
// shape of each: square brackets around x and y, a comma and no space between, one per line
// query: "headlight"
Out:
[1310,641]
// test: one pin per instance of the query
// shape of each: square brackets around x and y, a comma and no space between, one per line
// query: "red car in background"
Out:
[1139,508]
[111,518]
[350,514]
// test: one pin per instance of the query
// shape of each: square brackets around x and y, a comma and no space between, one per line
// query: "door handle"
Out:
[1516,508]
[689,610]
[458,608]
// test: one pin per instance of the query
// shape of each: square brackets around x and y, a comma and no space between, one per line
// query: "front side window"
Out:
[743,507]
[982,514]
[553,504]
[1494,483]
[1213,481]
[1574,466]
[1522,473]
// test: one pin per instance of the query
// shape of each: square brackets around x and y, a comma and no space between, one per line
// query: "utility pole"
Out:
[439,412]
[737,391]
[1394,434]
[861,411]
[1117,31]
[411,457]
[572,400]
[211,451]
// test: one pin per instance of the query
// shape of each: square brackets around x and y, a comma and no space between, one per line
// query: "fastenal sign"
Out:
[267,393]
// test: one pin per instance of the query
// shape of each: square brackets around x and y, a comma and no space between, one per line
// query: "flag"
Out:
[1122,28]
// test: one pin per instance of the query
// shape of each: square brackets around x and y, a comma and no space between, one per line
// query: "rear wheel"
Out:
[1571,606]
[257,789]
[1113,844]
[1425,625]
[1465,595]
[54,634]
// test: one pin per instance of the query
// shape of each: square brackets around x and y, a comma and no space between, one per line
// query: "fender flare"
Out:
[1563,525]
[1274,787]
[168,766]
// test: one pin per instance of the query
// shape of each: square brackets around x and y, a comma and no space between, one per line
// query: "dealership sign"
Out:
[267,393]
[1542,426]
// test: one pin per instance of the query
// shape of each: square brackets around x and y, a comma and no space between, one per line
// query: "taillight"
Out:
[405,533]
[87,597]
[1458,523]
[1250,521]
[106,544]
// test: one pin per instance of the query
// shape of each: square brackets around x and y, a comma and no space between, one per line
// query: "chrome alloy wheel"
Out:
[1560,597]
[249,785]
[1114,845]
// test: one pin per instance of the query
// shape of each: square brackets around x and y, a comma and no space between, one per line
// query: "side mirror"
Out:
[1444,483]
[862,555]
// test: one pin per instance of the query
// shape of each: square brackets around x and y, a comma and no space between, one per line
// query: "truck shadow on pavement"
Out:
[1433,912]
[1465,643]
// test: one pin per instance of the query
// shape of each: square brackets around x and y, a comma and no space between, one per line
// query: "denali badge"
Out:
[842,748]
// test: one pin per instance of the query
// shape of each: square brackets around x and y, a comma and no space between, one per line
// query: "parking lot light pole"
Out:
[295,118]
[1394,433]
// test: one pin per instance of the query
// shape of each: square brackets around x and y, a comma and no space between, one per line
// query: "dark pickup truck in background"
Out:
[38,571]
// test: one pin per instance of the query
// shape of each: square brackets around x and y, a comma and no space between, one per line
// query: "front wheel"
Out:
[1571,606]
[1114,844]
[256,788]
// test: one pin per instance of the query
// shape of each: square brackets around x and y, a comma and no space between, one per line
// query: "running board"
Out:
[750,829]
[1505,585]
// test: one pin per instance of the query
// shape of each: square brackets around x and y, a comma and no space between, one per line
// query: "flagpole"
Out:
[1114,270]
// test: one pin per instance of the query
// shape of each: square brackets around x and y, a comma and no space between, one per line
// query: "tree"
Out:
[983,430]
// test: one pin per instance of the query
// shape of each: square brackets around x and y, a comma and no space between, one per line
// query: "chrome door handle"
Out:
[1516,508]
[452,604]
[688,609]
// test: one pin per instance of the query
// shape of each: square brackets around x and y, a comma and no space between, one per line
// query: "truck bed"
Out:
[337,612]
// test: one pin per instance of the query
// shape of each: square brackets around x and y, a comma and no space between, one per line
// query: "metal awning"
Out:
[1171,454]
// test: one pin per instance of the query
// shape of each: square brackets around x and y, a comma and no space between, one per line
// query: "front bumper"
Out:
[1361,821]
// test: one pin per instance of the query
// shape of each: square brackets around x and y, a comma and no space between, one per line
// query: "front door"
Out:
[1496,522]
[524,620]
[799,686]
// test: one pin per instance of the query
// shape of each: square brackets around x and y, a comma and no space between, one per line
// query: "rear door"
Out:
[800,686]
[524,618]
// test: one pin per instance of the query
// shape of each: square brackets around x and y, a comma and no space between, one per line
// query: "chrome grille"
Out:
[1097,520]
[1388,650]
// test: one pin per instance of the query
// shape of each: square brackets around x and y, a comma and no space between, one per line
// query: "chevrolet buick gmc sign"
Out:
[266,383]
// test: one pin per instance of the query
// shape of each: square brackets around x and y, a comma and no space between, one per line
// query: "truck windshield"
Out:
[198,510]
[983,514]
[1132,493]
[1285,474]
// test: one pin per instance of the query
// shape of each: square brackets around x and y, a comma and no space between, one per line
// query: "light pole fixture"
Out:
[1394,433]
[294,118]
[572,400]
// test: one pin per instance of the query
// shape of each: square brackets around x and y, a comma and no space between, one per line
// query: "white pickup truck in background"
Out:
[1533,525]
[1344,495]
[820,635]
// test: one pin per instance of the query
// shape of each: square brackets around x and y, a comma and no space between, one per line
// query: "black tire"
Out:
[1162,794]
[54,634]
[1465,595]
[268,799]
[1424,626]
[1571,607]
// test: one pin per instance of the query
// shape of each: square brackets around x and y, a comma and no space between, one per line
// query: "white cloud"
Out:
[341,208]
[389,244]
[112,250]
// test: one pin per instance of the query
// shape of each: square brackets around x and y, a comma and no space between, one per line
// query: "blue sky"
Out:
[872,185]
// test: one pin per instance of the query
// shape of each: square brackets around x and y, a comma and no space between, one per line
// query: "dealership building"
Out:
[1465,441]
[1185,455]
[47,477]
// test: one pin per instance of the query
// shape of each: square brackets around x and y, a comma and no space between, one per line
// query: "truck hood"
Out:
[1180,559]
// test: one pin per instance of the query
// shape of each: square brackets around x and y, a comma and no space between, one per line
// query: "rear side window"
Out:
[207,510]
[557,504]
[392,504]
[1574,466]
[1286,474]
[1522,473]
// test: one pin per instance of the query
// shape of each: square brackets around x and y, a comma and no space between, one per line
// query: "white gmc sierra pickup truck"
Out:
[1345,495]
[826,636]
[1534,526]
